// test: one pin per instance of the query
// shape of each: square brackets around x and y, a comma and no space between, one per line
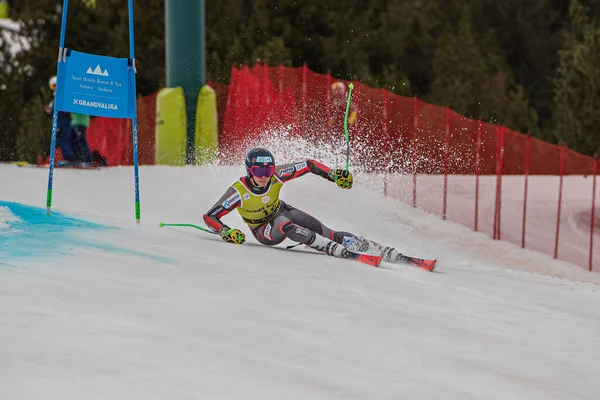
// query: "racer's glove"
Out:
[341,177]
[232,235]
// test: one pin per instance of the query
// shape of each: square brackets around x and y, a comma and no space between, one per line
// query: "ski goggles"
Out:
[262,172]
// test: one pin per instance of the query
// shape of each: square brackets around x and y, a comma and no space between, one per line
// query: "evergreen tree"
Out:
[99,30]
[519,114]
[577,93]
[528,32]
[496,58]
[459,71]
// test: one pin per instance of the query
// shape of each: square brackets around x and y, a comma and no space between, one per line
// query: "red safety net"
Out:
[433,146]
[112,137]
[395,134]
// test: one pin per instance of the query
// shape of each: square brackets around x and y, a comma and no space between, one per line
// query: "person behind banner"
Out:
[63,129]
[79,125]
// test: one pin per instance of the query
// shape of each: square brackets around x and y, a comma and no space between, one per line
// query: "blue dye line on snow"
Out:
[33,234]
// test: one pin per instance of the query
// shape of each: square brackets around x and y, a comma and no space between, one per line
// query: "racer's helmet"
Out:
[260,163]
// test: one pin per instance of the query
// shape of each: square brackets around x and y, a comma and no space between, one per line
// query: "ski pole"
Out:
[161,224]
[351,86]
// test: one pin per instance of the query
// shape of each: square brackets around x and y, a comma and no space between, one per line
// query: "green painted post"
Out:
[186,56]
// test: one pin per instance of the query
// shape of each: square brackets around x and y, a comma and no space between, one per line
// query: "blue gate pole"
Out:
[61,58]
[133,93]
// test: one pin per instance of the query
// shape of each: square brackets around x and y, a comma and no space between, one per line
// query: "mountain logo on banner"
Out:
[97,71]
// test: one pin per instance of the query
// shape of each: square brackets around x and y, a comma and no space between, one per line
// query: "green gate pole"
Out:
[186,57]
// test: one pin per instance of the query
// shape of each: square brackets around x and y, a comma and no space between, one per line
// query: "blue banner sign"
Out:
[95,85]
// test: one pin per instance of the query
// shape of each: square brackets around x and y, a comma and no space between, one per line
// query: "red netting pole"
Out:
[231,111]
[502,136]
[414,155]
[304,94]
[328,125]
[496,234]
[385,139]
[246,87]
[242,122]
[478,169]
[563,150]
[446,162]
[266,82]
[257,71]
[593,211]
[527,166]
[280,78]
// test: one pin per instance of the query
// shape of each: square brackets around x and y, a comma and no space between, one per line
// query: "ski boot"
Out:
[334,249]
[389,254]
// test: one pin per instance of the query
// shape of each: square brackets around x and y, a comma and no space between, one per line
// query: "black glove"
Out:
[341,177]
[232,235]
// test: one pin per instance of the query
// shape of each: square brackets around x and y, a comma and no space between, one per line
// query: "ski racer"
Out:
[271,220]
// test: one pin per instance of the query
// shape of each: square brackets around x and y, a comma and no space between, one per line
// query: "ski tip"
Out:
[428,265]
[370,259]
[161,224]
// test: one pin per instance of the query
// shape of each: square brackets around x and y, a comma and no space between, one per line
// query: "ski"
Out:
[425,264]
[368,259]
[392,255]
